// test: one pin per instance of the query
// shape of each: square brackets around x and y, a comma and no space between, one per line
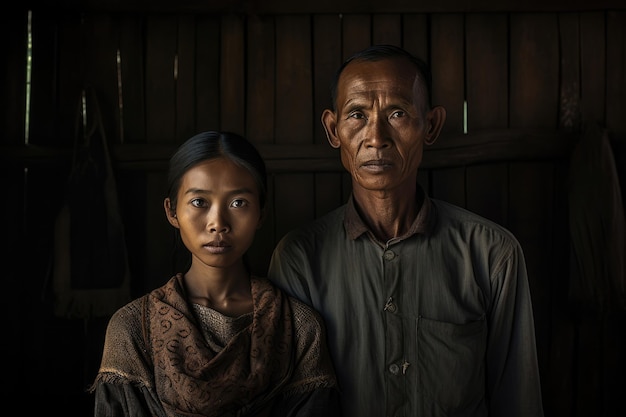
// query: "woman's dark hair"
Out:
[380,52]
[211,145]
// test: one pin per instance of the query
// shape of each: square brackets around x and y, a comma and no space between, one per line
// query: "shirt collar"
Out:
[355,226]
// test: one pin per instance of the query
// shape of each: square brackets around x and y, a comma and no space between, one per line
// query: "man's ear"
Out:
[435,118]
[170,213]
[329,121]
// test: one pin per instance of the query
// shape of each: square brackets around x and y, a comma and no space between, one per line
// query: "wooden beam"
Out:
[448,151]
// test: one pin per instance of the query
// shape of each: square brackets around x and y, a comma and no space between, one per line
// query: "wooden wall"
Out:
[518,83]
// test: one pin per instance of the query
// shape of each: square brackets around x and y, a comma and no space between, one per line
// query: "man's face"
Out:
[380,123]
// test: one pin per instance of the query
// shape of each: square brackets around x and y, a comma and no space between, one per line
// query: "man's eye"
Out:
[398,113]
[356,115]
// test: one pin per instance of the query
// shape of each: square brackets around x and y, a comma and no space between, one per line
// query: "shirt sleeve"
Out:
[124,400]
[513,382]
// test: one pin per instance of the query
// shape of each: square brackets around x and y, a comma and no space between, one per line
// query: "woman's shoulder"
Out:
[307,319]
[125,323]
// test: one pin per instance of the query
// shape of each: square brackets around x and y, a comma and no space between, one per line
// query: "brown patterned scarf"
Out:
[191,379]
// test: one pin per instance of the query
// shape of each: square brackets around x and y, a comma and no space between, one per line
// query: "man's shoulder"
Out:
[453,216]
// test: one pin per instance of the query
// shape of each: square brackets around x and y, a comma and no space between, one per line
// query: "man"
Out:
[427,305]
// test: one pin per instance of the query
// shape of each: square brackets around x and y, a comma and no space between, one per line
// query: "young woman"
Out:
[214,340]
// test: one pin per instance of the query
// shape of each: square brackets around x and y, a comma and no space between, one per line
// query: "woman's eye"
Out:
[238,203]
[197,202]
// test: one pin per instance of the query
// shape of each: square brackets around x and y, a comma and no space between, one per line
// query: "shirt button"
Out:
[394,369]
[389,255]
[391,307]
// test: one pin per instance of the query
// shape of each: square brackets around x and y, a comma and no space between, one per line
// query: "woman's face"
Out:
[217,212]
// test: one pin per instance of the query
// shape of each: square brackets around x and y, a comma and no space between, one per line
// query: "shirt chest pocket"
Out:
[451,366]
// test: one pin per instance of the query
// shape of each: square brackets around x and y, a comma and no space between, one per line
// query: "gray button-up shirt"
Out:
[438,322]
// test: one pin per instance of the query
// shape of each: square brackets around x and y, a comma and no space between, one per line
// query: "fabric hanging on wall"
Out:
[597,226]
[90,273]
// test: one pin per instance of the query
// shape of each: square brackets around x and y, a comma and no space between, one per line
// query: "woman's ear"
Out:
[435,118]
[170,213]
[329,121]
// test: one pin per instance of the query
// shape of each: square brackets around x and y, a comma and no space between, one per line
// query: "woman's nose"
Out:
[217,222]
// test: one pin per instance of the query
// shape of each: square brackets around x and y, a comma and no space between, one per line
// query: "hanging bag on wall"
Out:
[89,272]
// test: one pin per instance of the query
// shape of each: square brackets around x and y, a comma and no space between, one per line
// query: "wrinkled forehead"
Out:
[396,76]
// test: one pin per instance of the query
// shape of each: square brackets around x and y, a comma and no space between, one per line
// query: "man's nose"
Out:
[377,134]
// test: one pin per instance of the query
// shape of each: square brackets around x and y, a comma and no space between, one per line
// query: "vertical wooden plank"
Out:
[487,191]
[616,91]
[532,221]
[387,29]
[70,78]
[447,66]
[185,76]
[207,73]
[13,26]
[99,55]
[294,91]
[588,363]
[558,382]
[294,202]
[161,33]
[447,37]
[356,33]
[327,193]
[415,40]
[616,77]
[259,254]
[614,363]
[326,60]
[260,98]
[487,108]
[260,121]
[131,79]
[569,39]
[43,99]
[534,69]
[593,66]
[294,199]
[415,35]
[487,71]
[232,74]
[132,121]
[160,254]
[448,184]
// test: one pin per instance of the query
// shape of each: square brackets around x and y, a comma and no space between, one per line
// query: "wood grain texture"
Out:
[160,52]
[232,74]
[447,65]
[207,73]
[570,100]
[534,70]
[294,88]
[261,79]
[487,80]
